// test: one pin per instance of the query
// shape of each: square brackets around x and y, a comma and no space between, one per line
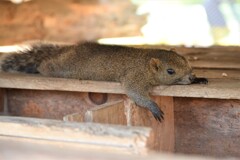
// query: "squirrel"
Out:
[137,69]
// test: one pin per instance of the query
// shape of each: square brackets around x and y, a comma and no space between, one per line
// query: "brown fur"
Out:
[137,69]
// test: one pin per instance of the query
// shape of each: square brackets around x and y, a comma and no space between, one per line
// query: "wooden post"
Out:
[3,101]
[163,132]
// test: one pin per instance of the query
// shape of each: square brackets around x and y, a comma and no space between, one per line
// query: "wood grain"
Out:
[2,100]
[214,57]
[109,113]
[224,88]
[218,73]
[163,133]
[133,139]
[207,127]
[50,104]
[12,148]
[127,113]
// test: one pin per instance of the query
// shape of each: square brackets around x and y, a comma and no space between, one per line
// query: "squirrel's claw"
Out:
[200,81]
[157,112]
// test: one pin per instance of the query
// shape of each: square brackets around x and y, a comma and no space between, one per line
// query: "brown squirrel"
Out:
[137,69]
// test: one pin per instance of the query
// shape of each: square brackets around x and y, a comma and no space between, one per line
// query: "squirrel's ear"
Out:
[155,64]
[173,49]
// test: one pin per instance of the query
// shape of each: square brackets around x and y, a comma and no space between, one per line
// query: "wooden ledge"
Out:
[86,135]
[223,88]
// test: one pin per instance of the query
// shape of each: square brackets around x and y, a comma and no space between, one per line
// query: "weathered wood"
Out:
[65,145]
[163,133]
[127,113]
[50,104]
[46,104]
[68,21]
[15,149]
[110,113]
[217,88]
[215,59]
[207,126]
[75,117]
[2,100]
[218,73]
[133,139]
[28,81]
[211,57]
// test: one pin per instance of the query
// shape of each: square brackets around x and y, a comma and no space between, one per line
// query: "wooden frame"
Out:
[224,85]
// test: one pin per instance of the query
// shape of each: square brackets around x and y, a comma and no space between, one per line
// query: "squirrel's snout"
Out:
[187,79]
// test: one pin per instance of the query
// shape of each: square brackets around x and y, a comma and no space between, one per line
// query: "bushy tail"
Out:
[29,59]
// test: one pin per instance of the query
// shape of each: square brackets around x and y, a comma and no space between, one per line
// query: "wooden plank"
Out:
[50,104]
[186,50]
[223,88]
[117,137]
[218,73]
[2,100]
[28,81]
[163,133]
[13,149]
[211,57]
[46,104]
[207,127]
[214,59]
[216,88]
[110,113]
[66,145]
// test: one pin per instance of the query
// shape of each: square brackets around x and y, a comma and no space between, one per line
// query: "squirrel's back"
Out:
[93,61]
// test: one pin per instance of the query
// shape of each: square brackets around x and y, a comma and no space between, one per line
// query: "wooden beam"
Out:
[216,57]
[217,88]
[207,126]
[12,148]
[133,139]
[163,138]
[2,100]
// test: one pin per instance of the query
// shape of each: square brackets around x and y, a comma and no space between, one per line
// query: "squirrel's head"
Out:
[171,68]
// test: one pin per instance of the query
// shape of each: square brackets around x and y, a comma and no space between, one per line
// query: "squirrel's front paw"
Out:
[200,81]
[156,111]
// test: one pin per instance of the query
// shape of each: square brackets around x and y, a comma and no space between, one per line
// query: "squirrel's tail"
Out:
[28,59]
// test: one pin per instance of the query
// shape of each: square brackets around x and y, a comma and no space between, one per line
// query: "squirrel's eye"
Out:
[171,71]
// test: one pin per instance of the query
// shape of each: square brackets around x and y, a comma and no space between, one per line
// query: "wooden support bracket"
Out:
[125,112]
